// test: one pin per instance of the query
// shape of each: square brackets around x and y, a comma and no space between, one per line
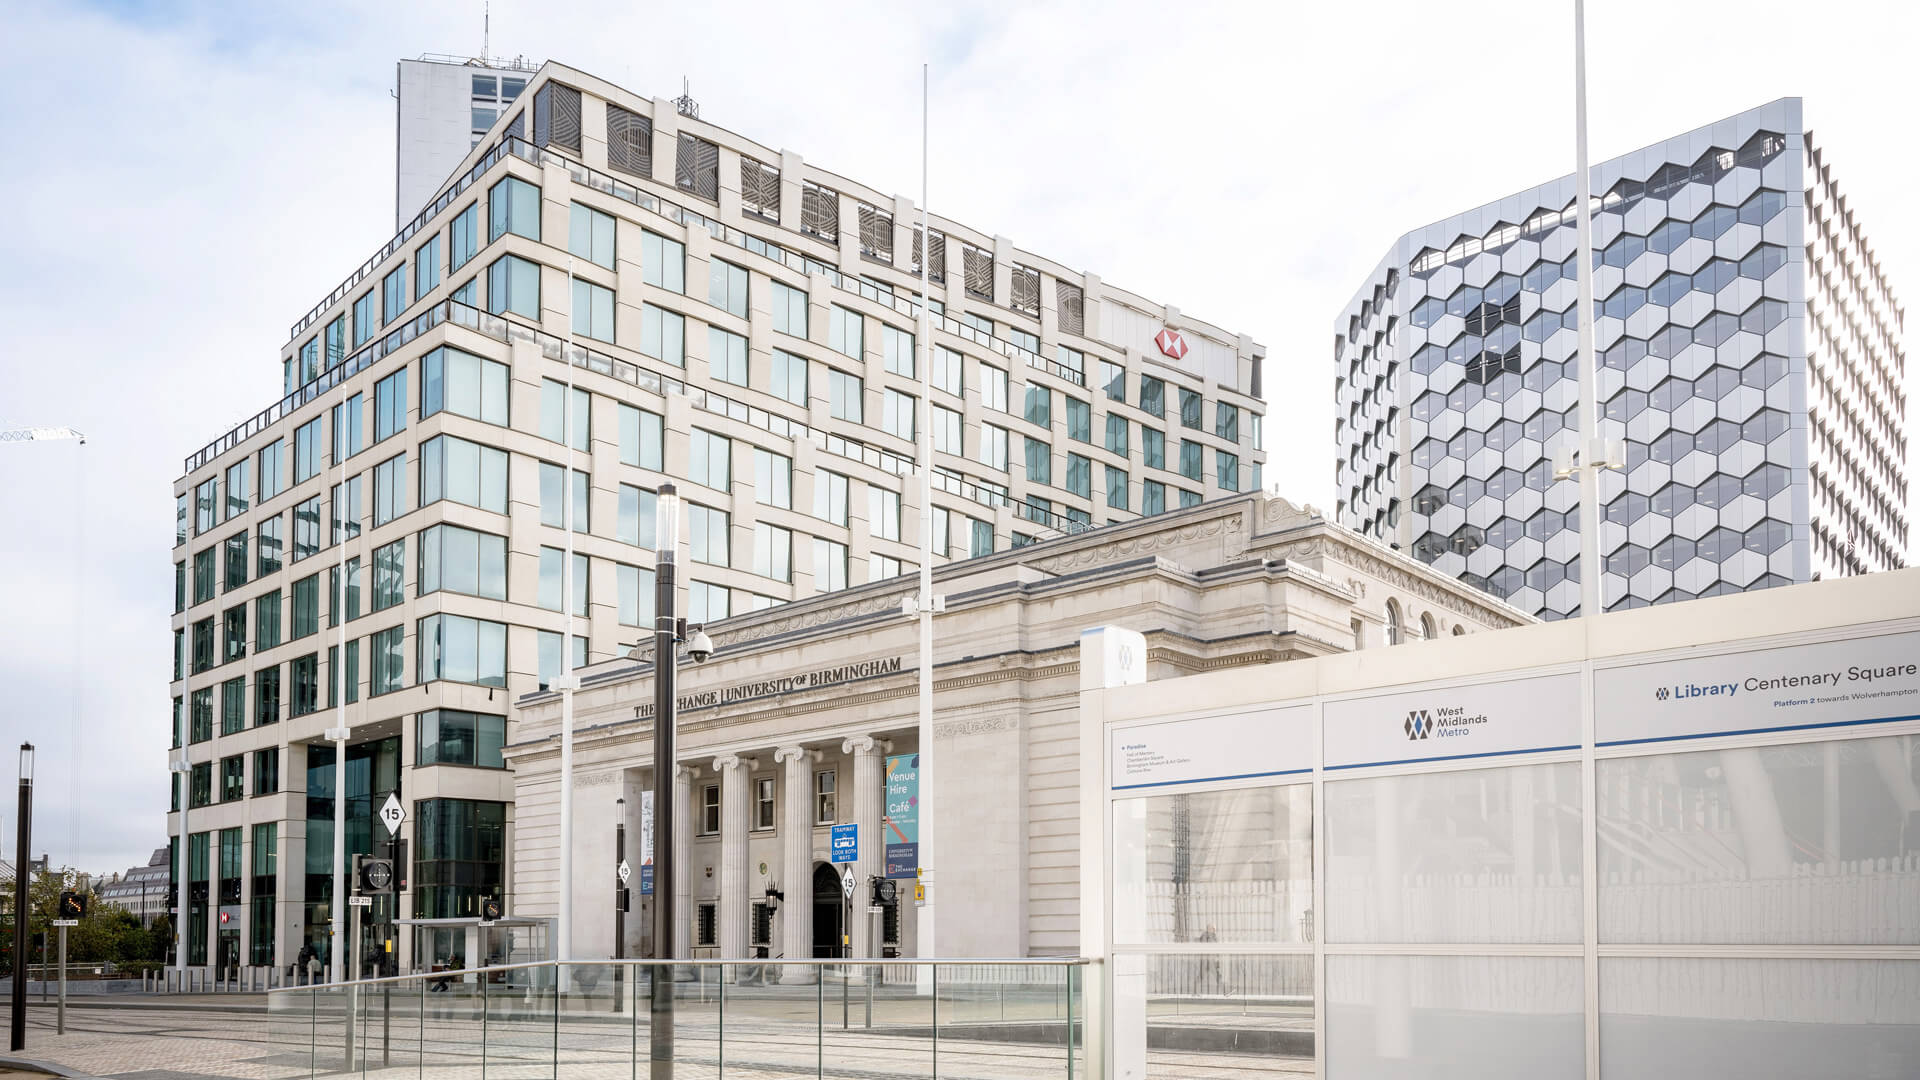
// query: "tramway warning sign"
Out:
[846,843]
[847,883]
[392,814]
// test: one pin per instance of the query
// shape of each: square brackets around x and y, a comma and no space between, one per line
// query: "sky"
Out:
[185,180]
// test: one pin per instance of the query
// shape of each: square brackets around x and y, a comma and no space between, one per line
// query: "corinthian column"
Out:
[869,803]
[796,869]
[683,826]
[733,854]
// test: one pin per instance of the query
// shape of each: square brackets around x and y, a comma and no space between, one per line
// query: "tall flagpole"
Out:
[925,734]
[563,944]
[1593,454]
[337,909]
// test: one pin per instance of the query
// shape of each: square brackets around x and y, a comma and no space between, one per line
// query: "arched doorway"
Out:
[828,911]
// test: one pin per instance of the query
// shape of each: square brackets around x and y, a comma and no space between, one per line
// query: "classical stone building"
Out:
[799,713]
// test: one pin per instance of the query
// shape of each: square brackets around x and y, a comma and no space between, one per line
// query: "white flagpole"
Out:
[925,736]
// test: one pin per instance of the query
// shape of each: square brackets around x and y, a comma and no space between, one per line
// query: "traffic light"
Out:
[398,849]
[73,905]
[372,876]
[622,899]
[883,891]
[489,909]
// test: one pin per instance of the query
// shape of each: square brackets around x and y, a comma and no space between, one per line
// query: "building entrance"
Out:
[828,912]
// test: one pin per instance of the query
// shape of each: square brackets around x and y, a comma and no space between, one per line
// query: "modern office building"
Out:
[141,890]
[1750,353]
[443,106]
[731,317]
[805,718]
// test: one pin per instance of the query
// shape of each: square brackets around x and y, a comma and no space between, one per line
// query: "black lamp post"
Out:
[22,869]
[666,632]
[619,893]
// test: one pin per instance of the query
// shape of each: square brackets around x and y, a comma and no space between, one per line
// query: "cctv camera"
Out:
[699,645]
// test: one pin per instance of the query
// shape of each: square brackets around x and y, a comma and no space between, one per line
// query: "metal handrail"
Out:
[822,962]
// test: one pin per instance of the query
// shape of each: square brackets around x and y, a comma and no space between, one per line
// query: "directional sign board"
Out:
[66,922]
[625,871]
[359,901]
[392,814]
[846,843]
[846,883]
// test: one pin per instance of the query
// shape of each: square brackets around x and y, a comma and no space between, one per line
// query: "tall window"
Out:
[1080,476]
[465,385]
[389,574]
[1113,380]
[883,513]
[350,604]
[389,489]
[266,546]
[829,565]
[306,528]
[636,595]
[708,530]
[1153,396]
[663,334]
[825,797]
[426,266]
[465,235]
[303,680]
[463,472]
[273,469]
[393,294]
[789,310]
[365,319]
[233,706]
[239,487]
[513,206]
[462,561]
[1079,420]
[1190,408]
[236,559]
[979,537]
[554,414]
[1116,488]
[898,414]
[641,437]
[266,781]
[1153,497]
[727,356]
[830,496]
[1039,461]
[727,287]
[1153,447]
[1117,434]
[513,284]
[206,505]
[946,431]
[993,447]
[707,602]
[346,509]
[663,262]
[592,310]
[336,338]
[763,802]
[267,627]
[205,582]
[993,388]
[897,346]
[844,396]
[553,505]
[590,235]
[1226,421]
[306,450]
[789,381]
[710,459]
[347,431]
[947,368]
[773,552]
[635,524]
[1226,470]
[306,607]
[772,478]
[1192,459]
[1039,408]
[389,660]
[553,583]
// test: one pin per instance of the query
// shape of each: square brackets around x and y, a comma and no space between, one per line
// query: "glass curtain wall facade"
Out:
[1750,358]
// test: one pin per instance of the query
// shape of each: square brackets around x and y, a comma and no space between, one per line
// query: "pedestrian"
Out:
[313,965]
[1210,965]
[298,971]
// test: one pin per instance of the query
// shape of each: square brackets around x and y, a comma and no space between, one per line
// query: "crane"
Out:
[34,434]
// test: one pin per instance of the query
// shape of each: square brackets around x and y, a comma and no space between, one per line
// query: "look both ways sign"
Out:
[900,829]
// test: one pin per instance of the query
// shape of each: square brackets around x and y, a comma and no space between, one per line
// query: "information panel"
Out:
[1265,742]
[1516,716]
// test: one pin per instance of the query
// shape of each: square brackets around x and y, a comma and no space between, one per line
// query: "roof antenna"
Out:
[486,29]
[685,102]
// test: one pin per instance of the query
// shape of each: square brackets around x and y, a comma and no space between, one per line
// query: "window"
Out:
[1039,461]
[1227,470]
[345,499]
[789,310]
[635,523]
[1189,498]
[947,370]
[763,804]
[236,559]
[554,418]
[824,804]
[1153,395]
[663,262]
[710,459]
[979,538]
[465,235]
[364,320]
[1226,421]
[347,672]
[1116,488]
[266,696]
[273,469]
[233,706]
[946,431]
[306,450]
[306,529]
[459,649]
[309,365]
[846,332]
[706,928]
[883,513]
[233,785]
[1031,342]
[772,478]
[465,385]
[590,235]
[336,337]
[1192,459]
[304,678]
[663,334]
[845,393]
[179,589]
[306,607]
[463,472]
[592,311]
[202,720]
[426,266]
[267,547]
[393,294]
[266,780]
[455,560]
[789,381]
[206,506]
[389,489]
[513,284]
[389,574]
[773,552]
[707,603]
[1113,379]
[389,660]
[1039,407]
[351,604]
[554,503]
[727,287]
[696,167]
[993,388]
[942,530]
[239,487]
[200,793]
[642,435]
[709,809]
[467,292]
[551,585]
[708,529]
[1079,476]
[454,737]
[727,356]
[1079,420]
[636,595]
[266,620]
[233,623]
[898,414]
[881,567]
[978,322]
[830,496]
[513,206]
[829,565]
[1153,497]
[1190,408]
[1153,447]
[897,345]
[993,447]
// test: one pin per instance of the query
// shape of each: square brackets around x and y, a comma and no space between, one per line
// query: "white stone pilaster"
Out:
[869,803]
[796,868]
[683,827]
[733,770]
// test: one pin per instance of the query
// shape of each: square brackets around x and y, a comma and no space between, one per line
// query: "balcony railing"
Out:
[787,1018]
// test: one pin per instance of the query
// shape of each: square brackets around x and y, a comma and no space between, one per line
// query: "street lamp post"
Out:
[619,892]
[666,632]
[22,867]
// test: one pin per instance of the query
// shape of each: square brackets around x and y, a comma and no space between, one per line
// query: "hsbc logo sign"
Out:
[1171,343]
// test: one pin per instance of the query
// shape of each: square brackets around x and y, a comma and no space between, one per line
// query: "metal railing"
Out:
[897,1018]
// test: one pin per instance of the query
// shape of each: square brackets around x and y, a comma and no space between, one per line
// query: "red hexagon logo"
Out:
[1171,343]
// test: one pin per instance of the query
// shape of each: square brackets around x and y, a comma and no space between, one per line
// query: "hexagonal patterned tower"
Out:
[1750,355]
